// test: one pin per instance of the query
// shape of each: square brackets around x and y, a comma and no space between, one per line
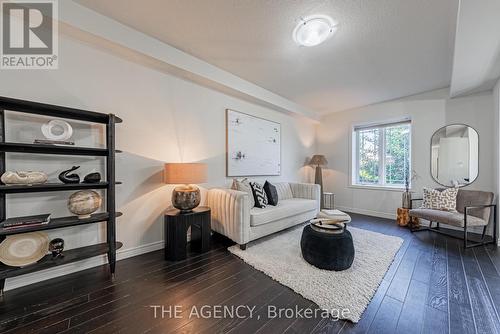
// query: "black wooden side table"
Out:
[176,227]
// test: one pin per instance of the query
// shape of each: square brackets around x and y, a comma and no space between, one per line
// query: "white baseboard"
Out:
[368,212]
[142,249]
[42,275]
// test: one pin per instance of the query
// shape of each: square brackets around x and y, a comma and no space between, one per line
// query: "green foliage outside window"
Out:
[397,144]
[369,156]
[384,155]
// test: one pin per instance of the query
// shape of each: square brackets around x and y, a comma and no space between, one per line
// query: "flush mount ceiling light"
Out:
[314,30]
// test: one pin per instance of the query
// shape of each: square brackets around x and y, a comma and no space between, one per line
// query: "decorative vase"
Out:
[84,202]
[65,177]
[186,198]
[406,200]
[56,247]
[26,178]
[92,178]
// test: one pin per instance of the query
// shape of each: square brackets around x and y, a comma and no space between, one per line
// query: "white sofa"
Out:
[233,217]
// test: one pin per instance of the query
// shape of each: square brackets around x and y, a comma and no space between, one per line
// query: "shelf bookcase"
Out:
[109,184]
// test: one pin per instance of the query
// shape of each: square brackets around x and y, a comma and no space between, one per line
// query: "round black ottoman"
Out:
[325,250]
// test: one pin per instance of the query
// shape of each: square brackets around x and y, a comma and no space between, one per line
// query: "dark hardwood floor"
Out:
[433,286]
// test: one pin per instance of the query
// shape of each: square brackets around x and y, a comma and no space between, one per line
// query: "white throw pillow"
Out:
[244,185]
[445,200]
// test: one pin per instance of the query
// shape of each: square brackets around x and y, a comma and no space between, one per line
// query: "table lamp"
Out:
[186,196]
[319,161]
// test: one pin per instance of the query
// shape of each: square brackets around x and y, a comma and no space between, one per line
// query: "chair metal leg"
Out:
[495,237]
[484,232]
[437,225]
[465,229]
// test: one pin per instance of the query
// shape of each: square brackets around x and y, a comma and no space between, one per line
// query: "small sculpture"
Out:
[56,247]
[92,178]
[65,177]
[26,178]
[84,202]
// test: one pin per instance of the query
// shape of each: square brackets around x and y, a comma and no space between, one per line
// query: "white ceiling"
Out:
[384,49]
[476,64]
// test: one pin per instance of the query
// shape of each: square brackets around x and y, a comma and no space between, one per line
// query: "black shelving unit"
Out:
[109,184]
[48,261]
[52,149]
[15,189]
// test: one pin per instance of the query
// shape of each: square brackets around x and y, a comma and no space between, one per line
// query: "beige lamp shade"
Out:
[318,160]
[185,173]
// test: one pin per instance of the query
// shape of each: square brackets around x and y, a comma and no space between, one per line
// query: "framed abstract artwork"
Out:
[253,145]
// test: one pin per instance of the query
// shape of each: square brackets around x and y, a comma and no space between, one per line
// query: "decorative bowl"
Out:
[57,129]
[24,249]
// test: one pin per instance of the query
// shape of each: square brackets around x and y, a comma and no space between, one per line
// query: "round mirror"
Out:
[455,155]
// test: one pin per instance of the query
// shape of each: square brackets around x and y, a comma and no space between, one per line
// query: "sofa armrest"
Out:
[230,213]
[307,191]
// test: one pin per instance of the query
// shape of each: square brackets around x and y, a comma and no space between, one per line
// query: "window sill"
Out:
[377,187]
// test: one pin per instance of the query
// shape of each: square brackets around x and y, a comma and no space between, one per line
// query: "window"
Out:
[381,154]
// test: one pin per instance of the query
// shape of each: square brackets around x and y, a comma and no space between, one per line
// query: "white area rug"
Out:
[279,256]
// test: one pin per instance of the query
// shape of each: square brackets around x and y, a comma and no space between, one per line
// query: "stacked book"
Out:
[27,221]
[53,142]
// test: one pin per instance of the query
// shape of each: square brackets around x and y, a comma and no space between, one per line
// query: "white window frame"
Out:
[354,151]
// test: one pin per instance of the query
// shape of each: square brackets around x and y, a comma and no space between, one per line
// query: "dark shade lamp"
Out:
[319,161]
[186,196]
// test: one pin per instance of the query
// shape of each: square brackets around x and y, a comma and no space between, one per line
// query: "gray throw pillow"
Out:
[244,185]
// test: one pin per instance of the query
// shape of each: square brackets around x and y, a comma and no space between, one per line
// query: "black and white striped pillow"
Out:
[259,195]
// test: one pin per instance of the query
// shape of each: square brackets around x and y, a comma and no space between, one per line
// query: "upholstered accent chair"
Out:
[474,208]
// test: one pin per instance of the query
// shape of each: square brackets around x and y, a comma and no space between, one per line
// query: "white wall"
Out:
[166,119]
[428,112]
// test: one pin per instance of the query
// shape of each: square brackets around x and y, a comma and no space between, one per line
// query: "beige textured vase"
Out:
[84,202]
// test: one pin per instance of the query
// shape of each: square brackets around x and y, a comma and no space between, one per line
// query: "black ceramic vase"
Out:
[56,247]
[65,177]
[92,178]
